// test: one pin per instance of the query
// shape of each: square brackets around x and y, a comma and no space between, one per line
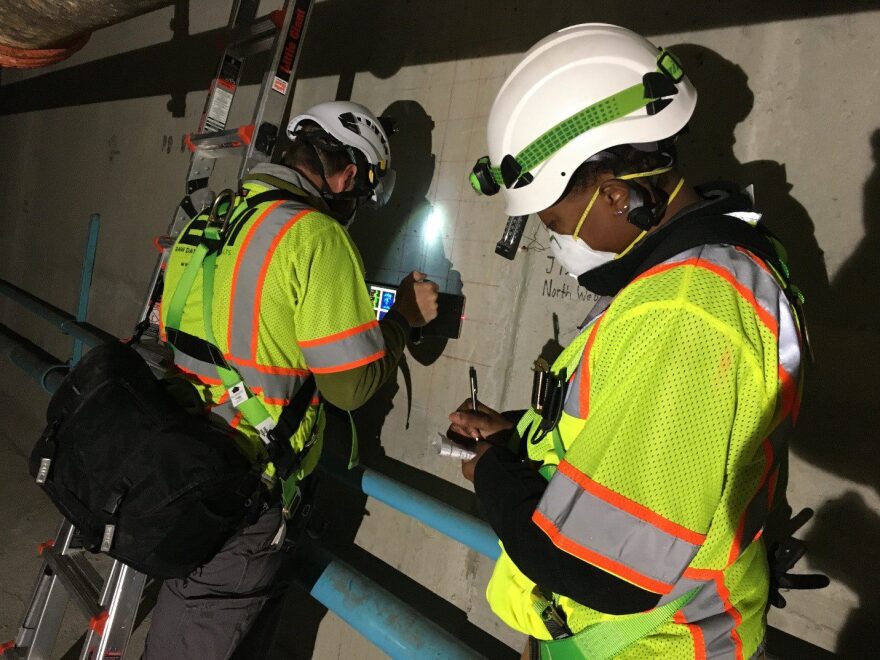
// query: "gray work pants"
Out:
[208,613]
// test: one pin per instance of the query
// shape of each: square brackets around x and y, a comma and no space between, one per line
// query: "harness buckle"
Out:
[264,428]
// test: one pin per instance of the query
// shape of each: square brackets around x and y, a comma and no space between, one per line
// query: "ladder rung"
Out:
[259,29]
[218,144]
[79,581]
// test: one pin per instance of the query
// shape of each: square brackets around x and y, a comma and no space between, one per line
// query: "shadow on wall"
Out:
[725,100]
[407,234]
[838,431]
[839,417]
[381,38]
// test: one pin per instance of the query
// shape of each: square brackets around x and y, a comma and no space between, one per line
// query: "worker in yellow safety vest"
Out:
[630,499]
[286,323]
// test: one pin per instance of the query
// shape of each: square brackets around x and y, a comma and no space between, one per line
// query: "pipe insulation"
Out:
[36,33]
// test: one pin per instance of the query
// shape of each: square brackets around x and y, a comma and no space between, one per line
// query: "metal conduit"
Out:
[65,322]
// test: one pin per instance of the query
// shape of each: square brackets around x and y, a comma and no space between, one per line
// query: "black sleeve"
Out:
[509,492]
[515,443]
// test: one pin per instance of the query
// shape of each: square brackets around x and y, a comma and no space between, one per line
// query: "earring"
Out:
[621,211]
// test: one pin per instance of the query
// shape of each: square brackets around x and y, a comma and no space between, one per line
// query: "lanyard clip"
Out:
[540,380]
[554,400]
[214,214]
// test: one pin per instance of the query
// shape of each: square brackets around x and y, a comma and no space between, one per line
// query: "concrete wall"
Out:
[788,103]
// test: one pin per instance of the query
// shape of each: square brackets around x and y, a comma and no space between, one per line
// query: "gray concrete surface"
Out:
[788,102]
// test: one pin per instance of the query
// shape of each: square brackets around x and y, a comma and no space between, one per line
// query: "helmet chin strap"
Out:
[331,198]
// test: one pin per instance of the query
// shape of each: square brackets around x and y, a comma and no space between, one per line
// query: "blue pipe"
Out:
[60,319]
[385,620]
[85,284]
[464,528]
[46,369]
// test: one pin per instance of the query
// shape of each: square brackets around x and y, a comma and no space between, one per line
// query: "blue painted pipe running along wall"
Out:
[385,620]
[85,284]
[90,336]
[46,369]
[464,528]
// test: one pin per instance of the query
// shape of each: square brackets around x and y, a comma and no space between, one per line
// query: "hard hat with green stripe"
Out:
[577,92]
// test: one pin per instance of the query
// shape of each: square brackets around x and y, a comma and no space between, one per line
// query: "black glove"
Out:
[782,555]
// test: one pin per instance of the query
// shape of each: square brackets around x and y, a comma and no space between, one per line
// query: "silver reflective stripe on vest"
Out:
[255,251]
[602,304]
[709,612]
[279,387]
[330,353]
[749,274]
[603,528]
[225,411]
[573,395]
[789,343]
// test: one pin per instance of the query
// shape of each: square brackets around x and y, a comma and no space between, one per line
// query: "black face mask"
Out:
[343,209]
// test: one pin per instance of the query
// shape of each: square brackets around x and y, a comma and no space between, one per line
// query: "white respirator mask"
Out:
[573,253]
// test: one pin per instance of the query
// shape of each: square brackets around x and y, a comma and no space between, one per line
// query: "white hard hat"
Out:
[355,127]
[576,93]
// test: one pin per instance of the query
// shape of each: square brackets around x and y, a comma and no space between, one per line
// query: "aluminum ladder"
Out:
[111,604]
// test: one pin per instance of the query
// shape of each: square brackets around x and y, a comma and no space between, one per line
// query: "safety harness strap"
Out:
[276,435]
[606,639]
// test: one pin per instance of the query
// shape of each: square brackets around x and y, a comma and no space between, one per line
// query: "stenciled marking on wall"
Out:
[559,284]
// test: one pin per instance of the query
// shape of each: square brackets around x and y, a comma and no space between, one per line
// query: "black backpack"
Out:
[139,477]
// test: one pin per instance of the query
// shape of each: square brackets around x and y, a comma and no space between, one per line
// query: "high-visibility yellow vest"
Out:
[289,301]
[673,433]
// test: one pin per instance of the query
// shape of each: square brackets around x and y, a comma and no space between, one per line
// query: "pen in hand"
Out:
[473,375]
